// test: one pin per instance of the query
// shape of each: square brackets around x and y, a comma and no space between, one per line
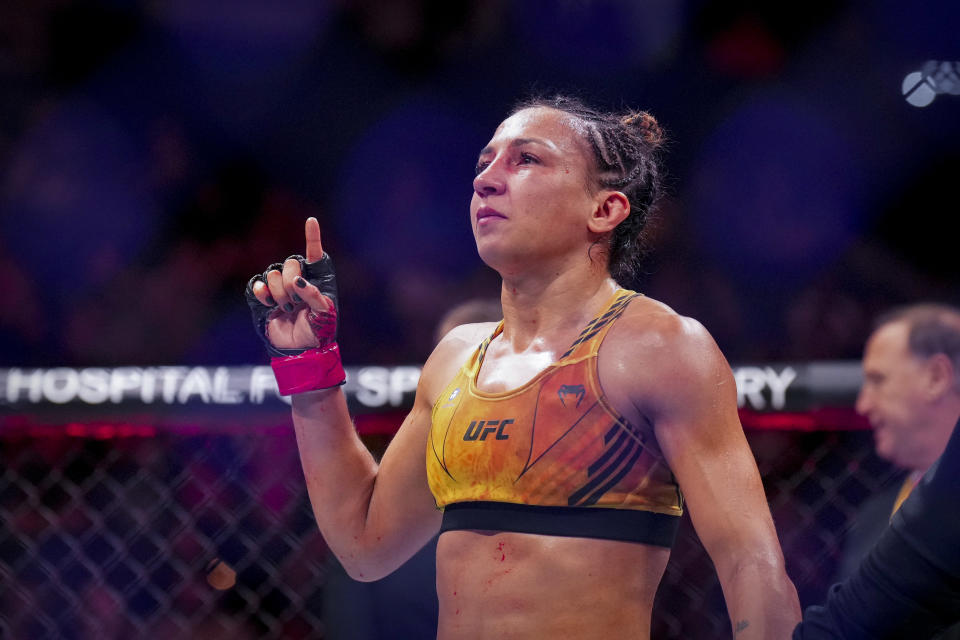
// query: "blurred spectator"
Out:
[830,316]
[415,36]
[911,396]
[681,277]
[474,310]
[908,586]
[180,306]
[22,325]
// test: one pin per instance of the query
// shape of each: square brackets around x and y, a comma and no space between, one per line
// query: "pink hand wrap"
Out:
[311,370]
[314,369]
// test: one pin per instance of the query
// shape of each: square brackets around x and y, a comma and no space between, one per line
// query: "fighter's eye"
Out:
[483,164]
[527,158]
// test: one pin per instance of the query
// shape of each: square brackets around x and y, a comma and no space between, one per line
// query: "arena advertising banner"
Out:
[243,394]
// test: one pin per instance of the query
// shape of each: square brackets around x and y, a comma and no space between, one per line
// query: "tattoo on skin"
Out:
[740,626]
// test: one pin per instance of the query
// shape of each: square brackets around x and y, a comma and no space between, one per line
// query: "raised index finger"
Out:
[312,233]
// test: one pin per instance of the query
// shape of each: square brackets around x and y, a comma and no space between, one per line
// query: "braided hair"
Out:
[625,159]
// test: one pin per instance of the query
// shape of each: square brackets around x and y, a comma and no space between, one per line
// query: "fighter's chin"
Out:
[497,258]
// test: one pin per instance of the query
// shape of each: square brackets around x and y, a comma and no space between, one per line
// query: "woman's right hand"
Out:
[294,303]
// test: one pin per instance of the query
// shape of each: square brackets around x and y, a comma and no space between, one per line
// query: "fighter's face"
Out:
[531,195]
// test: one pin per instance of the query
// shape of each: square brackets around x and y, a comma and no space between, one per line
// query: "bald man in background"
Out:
[911,390]
[908,585]
[911,397]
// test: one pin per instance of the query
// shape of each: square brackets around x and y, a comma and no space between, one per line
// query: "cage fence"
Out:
[127,527]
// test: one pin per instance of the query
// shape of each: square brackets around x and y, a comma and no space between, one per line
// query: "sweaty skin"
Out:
[536,220]
[496,584]
[515,585]
[512,585]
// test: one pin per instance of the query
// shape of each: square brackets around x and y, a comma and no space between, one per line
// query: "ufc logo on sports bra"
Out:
[480,429]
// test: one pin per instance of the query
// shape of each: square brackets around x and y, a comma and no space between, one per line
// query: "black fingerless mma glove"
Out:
[320,274]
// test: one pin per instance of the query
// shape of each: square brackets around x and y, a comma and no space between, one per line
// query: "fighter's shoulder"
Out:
[450,354]
[668,346]
[650,325]
[473,332]
[463,339]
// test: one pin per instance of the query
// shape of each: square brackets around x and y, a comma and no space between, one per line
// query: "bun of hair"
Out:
[646,125]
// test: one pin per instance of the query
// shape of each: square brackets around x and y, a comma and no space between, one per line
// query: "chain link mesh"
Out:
[212,535]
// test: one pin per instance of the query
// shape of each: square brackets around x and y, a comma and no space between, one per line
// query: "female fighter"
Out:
[551,450]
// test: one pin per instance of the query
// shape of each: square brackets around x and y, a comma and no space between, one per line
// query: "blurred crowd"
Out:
[153,156]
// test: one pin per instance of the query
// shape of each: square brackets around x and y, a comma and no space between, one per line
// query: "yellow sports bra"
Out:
[551,456]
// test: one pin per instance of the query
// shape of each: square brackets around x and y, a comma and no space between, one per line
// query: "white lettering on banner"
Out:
[751,382]
[60,385]
[94,385]
[379,386]
[402,380]
[373,390]
[221,388]
[261,380]
[168,385]
[758,387]
[123,379]
[169,377]
[16,382]
[778,386]
[148,386]
[197,382]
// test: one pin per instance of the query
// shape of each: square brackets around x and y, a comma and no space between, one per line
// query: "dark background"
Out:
[154,155]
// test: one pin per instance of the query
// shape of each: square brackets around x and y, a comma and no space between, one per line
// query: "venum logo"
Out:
[450,399]
[575,390]
[480,429]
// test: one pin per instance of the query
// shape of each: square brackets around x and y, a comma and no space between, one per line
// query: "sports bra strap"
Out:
[593,334]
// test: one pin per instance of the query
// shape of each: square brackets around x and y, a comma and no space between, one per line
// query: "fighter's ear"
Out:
[612,208]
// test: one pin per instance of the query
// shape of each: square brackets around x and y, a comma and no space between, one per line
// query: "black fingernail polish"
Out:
[271,301]
[297,298]
[301,282]
[287,307]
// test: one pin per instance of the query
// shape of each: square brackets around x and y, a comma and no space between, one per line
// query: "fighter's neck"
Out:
[535,309]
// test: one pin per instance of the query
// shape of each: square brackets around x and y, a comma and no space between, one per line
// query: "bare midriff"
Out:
[516,585]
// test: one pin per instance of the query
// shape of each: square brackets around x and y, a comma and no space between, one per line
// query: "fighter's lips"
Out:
[488,212]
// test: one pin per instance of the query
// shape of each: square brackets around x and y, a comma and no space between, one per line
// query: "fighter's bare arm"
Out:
[373,517]
[668,371]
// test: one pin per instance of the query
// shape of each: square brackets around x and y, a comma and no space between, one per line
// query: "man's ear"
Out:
[940,375]
[612,209]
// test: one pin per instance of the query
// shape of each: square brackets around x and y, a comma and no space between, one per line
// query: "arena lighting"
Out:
[921,87]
